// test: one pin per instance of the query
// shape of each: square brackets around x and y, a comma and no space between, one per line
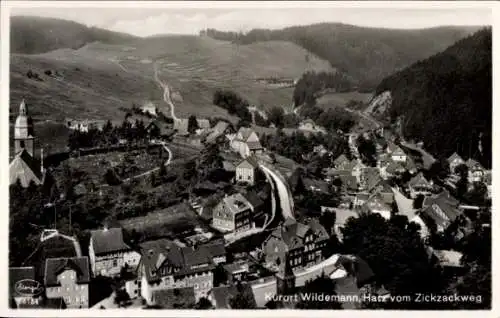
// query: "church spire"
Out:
[22,108]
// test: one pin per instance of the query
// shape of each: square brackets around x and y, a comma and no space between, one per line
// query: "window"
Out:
[77,299]
[83,299]
[115,262]
[58,289]
[248,177]
[67,288]
[76,287]
[196,286]
[68,300]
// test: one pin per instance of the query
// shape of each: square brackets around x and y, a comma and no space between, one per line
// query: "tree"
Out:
[276,116]
[203,303]
[417,203]
[192,124]
[121,297]
[477,195]
[242,299]
[111,178]
[396,254]
[367,150]
[321,285]
[327,219]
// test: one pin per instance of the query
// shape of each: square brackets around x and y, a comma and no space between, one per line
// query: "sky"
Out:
[153,21]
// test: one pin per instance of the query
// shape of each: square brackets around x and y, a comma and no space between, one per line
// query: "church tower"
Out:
[23,132]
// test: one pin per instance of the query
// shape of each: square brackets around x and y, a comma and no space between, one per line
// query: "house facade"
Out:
[68,278]
[397,154]
[233,214]
[376,204]
[475,171]
[440,210]
[109,253]
[246,171]
[164,265]
[296,244]
[246,142]
[419,185]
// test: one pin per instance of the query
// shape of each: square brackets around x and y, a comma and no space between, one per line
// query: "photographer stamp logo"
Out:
[28,288]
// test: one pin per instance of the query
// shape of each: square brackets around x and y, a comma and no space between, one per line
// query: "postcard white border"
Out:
[4,218]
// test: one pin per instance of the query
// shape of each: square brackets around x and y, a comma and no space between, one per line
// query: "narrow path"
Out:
[166,92]
[169,160]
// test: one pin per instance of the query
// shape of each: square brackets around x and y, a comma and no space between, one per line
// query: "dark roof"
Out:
[17,274]
[453,157]
[394,167]
[174,298]
[254,145]
[25,168]
[222,295]
[55,266]
[444,202]
[292,233]
[349,182]
[108,241]
[215,249]
[249,162]
[186,259]
[254,199]
[419,181]
[357,267]
[316,185]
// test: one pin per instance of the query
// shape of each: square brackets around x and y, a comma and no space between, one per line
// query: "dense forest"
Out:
[445,100]
[33,35]
[367,54]
[311,84]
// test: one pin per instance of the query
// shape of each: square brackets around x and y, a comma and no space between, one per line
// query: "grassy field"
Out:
[333,100]
[97,79]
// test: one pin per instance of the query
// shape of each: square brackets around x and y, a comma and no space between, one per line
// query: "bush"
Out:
[48,72]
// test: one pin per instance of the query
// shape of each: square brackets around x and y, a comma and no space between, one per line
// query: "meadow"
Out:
[98,79]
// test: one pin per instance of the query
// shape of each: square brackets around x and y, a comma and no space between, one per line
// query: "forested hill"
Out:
[32,35]
[366,54]
[446,100]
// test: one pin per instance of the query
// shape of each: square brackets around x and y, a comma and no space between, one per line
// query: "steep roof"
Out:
[25,168]
[254,199]
[473,165]
[349,182]
[419,181]
[245,132]
[186,259]
[108,241]
[55,266]
[292,233]
[448,206]
[340,160]
[254,145]
[249,163]
[394,167]
[454,157]
[236,203]
[203,123]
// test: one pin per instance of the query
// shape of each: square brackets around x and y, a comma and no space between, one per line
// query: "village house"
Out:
[246,142]
[369,178]
[440,211]
[149,108]
[475,171]
[308,125]
[109,253]
[236,272]
[376,204]
[165,265]
[394,169]
[217,131]
[68,278]
[342,163]
[247,170]
[181,126]
[384,190]
[419,185]
[233,214]
[221,296]
[397,154]
[296,244]
[454,161]
[360,199]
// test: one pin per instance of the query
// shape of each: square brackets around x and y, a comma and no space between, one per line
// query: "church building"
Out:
[25,166]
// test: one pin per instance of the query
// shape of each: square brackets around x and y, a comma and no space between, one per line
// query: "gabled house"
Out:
[476,171]
[247,170]
[233,214]
[440,211]
[296,244]
[165,265]
[369,178]
[397,154]
[246,142]
[419,185]
[108,252]
[349,183]
[217,131]
[375,204]
[68,278]
[454,161]
[392,170]
[384,190]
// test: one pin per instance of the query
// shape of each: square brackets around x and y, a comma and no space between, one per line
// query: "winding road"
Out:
[166,92]
[285,195]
